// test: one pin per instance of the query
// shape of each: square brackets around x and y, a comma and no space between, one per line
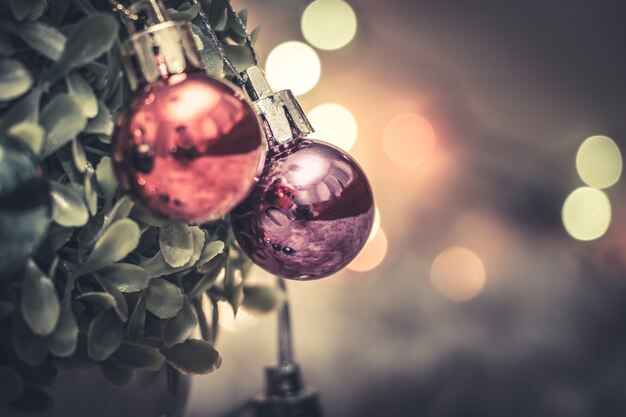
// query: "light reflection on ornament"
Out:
[293,65]
[408,139]
[335,124]
[586,213]
[372,254]
[599,162]
[458,274]
[329,24]
[308,169]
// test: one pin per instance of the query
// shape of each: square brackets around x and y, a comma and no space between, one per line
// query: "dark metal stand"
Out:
[285,394]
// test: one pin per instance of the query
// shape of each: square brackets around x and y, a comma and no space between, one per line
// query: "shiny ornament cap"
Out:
[157,46]
[282,113]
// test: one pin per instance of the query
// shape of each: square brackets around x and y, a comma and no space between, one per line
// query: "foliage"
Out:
[111,283]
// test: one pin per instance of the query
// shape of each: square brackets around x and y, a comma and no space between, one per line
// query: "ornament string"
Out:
[218,44]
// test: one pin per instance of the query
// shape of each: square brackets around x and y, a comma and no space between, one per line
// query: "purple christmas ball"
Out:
[310,213]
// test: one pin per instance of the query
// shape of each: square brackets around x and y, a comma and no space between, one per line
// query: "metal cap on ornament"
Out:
[280,111]
[156,46]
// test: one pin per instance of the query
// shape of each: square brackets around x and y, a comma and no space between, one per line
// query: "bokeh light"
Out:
[372,254]
[375,225]
[329,24]
[408,139]
[293,66]
[586,213]
[232,323]
[599,162]
[334,124]
[458,274]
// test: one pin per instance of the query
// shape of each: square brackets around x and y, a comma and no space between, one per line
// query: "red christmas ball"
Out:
[188,147]
[309,215]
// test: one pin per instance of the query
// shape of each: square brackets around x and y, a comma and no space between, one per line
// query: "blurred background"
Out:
[494,285]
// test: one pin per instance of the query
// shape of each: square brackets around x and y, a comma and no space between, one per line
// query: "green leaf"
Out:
[102,124]
[240,56]
[63,120]
[126,277]
[120,211]
[11,384]
[79,157]
[22,8]
[65,337]
[114,374]
[199,238]
[176,242]
[133,355]
[25,109]
[30,133]
[186,13]
[210,251]
[91,38]
[213,63]
[15,79]
[114,245]
[254,35]
[107,180]
[262,298]
[156,266]
[105,335]
[237,26]
[45,39]
[210,272]
[91,196]
[120,305]
[163,299]
[99,298]
[141,214]
[193,357]
[182,326]
[40,303]
[68,207]
[236,298]
[82,92]
[137,319]
[218,14]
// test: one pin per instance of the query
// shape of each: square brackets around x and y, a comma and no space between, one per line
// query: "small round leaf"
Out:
[126,277]
[40,304]
[105,335]
[182,326]
[176,241]
[15,79]
[164,299]
[63,120]
[114,245]
[193,356]
[68,208]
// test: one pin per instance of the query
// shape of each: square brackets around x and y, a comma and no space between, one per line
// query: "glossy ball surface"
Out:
[309,215]
[188,148]
[25,204]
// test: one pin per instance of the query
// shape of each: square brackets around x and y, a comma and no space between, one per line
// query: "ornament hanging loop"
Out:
[284,118]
